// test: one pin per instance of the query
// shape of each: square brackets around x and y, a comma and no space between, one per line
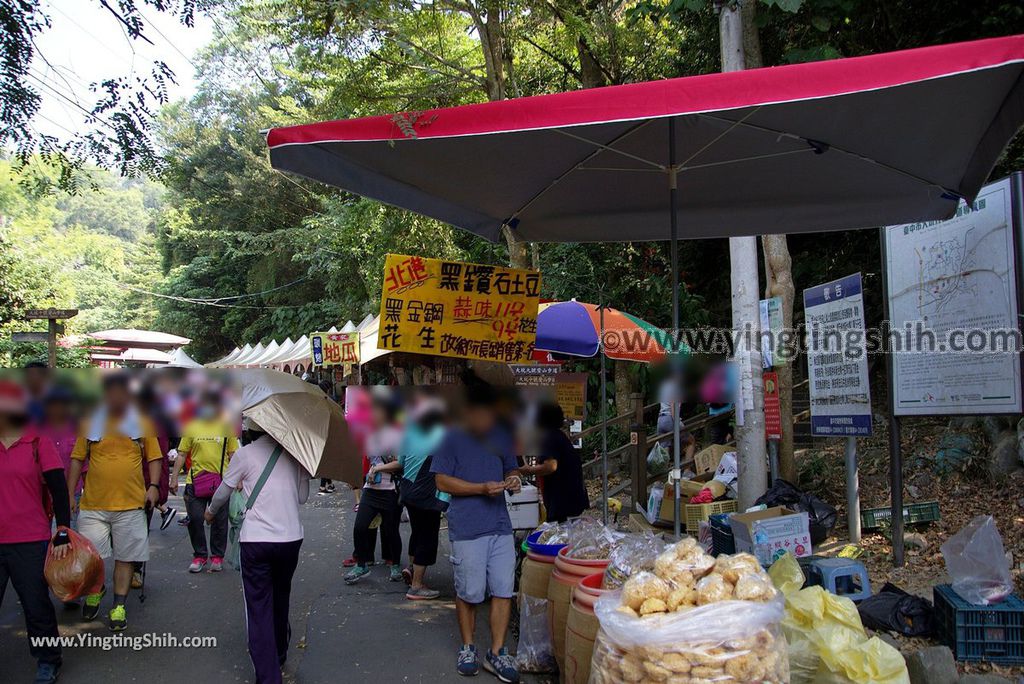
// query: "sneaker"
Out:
[136,580]
[118,619]
[322,491]
[394,573]
[407,575]
[197,564]
[167,516]
[331,489]
[355,509]
[216,564]
[468,663]
[184,521]
[502,666]
[422,594]
[47,673]
[357,573]
[349,562]
[91,607]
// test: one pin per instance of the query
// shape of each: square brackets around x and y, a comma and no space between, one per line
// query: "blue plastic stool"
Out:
[838,575]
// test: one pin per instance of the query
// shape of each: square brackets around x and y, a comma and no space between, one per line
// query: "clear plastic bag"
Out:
[630,555]
[79,573]
[536,652]
[977,563]
[590,540]
[554,533]
[727,641]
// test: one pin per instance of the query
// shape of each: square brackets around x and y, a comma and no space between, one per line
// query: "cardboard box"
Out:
[524,508]
[769,533]
[687,490]
[706,460]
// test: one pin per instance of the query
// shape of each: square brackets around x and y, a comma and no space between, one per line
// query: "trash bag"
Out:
[895,610]
[632,553]
[820,515]
[79,573]
[976,560]
[827,642]
[726,641]
[536,652]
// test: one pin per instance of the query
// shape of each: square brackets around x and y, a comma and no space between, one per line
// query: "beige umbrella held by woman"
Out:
[305,421]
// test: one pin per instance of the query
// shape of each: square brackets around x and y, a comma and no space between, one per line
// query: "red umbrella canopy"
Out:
[847,143]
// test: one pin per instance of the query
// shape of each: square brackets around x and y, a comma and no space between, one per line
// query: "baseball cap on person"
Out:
[13,398]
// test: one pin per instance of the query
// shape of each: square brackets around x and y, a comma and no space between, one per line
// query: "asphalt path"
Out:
[367,632]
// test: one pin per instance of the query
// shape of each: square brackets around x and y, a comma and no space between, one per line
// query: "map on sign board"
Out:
[452,308]
[837,362]
[951,294]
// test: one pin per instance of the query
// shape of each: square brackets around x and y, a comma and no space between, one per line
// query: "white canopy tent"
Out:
[179,359]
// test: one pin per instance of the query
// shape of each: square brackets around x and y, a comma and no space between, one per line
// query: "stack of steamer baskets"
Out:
[571,609]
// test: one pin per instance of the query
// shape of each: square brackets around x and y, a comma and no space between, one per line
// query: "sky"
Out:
[86,44]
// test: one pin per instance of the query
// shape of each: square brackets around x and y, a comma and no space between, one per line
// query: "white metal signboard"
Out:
[952,303]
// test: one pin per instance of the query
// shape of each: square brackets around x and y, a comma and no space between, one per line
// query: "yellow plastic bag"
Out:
[827,642]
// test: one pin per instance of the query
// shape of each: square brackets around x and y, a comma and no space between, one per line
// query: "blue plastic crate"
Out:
[722,540]
[993,633]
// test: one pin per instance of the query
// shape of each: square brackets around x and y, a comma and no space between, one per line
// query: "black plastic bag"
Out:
[895,610]
[820,515]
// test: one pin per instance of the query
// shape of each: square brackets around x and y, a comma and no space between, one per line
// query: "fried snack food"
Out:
[695,619]
[643,586]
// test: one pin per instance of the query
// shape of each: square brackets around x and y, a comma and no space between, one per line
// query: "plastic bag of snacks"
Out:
[631,554]
[554,533]
[590,540]
[693,619]
[78,573]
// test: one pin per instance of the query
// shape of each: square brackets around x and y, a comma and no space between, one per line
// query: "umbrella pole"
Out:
[604,426]
[674,257]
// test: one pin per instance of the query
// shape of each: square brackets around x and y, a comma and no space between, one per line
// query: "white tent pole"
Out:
[677,383]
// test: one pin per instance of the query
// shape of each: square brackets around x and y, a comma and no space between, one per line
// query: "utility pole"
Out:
[751,453]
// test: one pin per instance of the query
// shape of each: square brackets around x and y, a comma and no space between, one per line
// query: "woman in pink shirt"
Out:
[29,466]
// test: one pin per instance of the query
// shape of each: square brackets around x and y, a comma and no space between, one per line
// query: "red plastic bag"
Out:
[79,573]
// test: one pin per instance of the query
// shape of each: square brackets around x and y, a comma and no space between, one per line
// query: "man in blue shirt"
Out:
[476,464]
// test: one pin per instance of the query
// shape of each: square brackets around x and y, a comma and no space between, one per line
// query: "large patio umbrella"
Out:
[840,144]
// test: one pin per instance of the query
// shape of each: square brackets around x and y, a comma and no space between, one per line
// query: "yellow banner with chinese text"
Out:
[457,309]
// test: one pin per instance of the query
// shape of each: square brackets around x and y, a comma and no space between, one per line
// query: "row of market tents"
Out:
[293,356]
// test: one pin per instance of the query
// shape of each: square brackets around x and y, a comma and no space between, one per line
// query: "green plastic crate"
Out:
[913,514]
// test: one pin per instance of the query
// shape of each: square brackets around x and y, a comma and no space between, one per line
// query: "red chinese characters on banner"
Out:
[452,308]
[772,406]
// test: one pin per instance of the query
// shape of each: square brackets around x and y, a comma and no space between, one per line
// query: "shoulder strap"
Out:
[271,462]
[223,453]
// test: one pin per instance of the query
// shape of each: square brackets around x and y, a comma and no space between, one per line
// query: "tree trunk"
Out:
[778,268]
[624,387]
[518,255]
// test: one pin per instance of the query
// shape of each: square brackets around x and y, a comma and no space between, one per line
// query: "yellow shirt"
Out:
[204,440]
[114,481]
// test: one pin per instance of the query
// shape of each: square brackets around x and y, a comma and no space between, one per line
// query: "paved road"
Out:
[364,633]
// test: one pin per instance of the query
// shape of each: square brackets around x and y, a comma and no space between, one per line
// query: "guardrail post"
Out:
[638,438]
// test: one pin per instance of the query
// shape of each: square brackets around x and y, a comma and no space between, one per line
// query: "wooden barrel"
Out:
[580,633]
[559,597]
[533,581]
[589,590]
[578,566]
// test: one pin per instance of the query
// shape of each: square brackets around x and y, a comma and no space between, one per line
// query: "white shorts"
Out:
[123,534]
